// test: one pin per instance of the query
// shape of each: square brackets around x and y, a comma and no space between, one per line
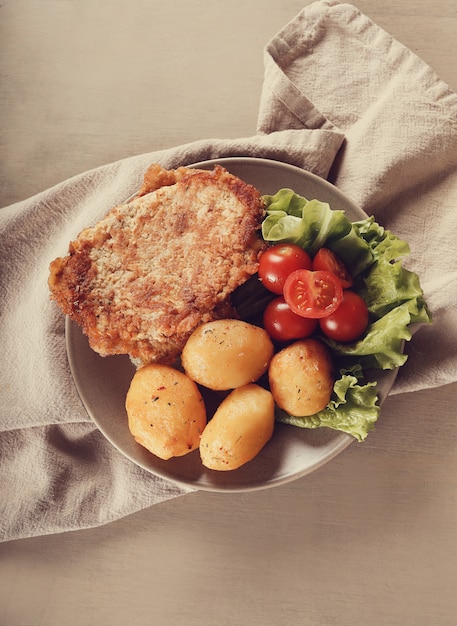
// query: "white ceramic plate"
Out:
[292,452]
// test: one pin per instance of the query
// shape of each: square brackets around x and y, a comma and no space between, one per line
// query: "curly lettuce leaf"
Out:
[382,242]
[389,285]
[382,345]
[286,201]
[393,295]
[307,223]
[374,255]
[312,225]
[353,409]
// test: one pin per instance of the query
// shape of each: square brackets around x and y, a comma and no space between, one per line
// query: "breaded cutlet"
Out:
[145,276]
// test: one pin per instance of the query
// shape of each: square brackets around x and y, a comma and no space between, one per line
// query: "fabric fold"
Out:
[83,481]
[398,162]
[340,98]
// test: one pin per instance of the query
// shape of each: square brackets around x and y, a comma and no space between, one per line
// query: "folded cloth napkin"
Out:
[341,98]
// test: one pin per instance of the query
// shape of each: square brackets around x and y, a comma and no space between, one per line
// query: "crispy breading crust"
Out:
[143,278]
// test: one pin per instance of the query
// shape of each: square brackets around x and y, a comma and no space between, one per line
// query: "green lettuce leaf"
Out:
[382,345]
[374,256]
[388,285]
[393,295]
[383,243]
[312,225]
[353,409]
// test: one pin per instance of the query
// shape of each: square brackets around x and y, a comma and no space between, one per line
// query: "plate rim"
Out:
[73,333]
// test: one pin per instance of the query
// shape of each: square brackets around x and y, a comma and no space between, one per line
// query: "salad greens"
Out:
[352,409]
[392,293]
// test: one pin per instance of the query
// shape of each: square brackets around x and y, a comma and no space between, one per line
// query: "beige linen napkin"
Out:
[342,99]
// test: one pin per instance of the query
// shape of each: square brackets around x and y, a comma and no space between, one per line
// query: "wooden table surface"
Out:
[368,540]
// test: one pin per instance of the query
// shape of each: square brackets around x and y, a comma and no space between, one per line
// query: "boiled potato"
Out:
[239,429]
[166,412]
[301,379]
[226,354]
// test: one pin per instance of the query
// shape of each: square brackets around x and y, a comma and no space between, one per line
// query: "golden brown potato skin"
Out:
[166,412]
[301,378]
[225,354]
[240,428]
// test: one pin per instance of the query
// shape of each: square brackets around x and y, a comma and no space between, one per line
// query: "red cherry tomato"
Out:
[282,324]
[277,262]
[329,261]
[313,294]
[349,321]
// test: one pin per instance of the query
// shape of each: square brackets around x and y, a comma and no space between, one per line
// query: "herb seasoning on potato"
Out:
[166,412]
[226,354]
[240,428]
[301,379]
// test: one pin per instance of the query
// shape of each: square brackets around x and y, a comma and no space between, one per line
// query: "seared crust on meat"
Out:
[143,278]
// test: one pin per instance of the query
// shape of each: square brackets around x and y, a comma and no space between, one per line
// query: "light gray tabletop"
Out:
[369,539]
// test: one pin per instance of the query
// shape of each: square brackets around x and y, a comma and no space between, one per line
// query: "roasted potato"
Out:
[239,429]
[301,378]
[225,354]
[166,412]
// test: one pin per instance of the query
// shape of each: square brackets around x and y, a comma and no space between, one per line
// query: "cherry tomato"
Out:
[277,262]
[282,324]
[349,321]
[327,260]
[313,294]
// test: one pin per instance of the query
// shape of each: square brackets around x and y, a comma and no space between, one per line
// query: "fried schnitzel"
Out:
[145,276]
